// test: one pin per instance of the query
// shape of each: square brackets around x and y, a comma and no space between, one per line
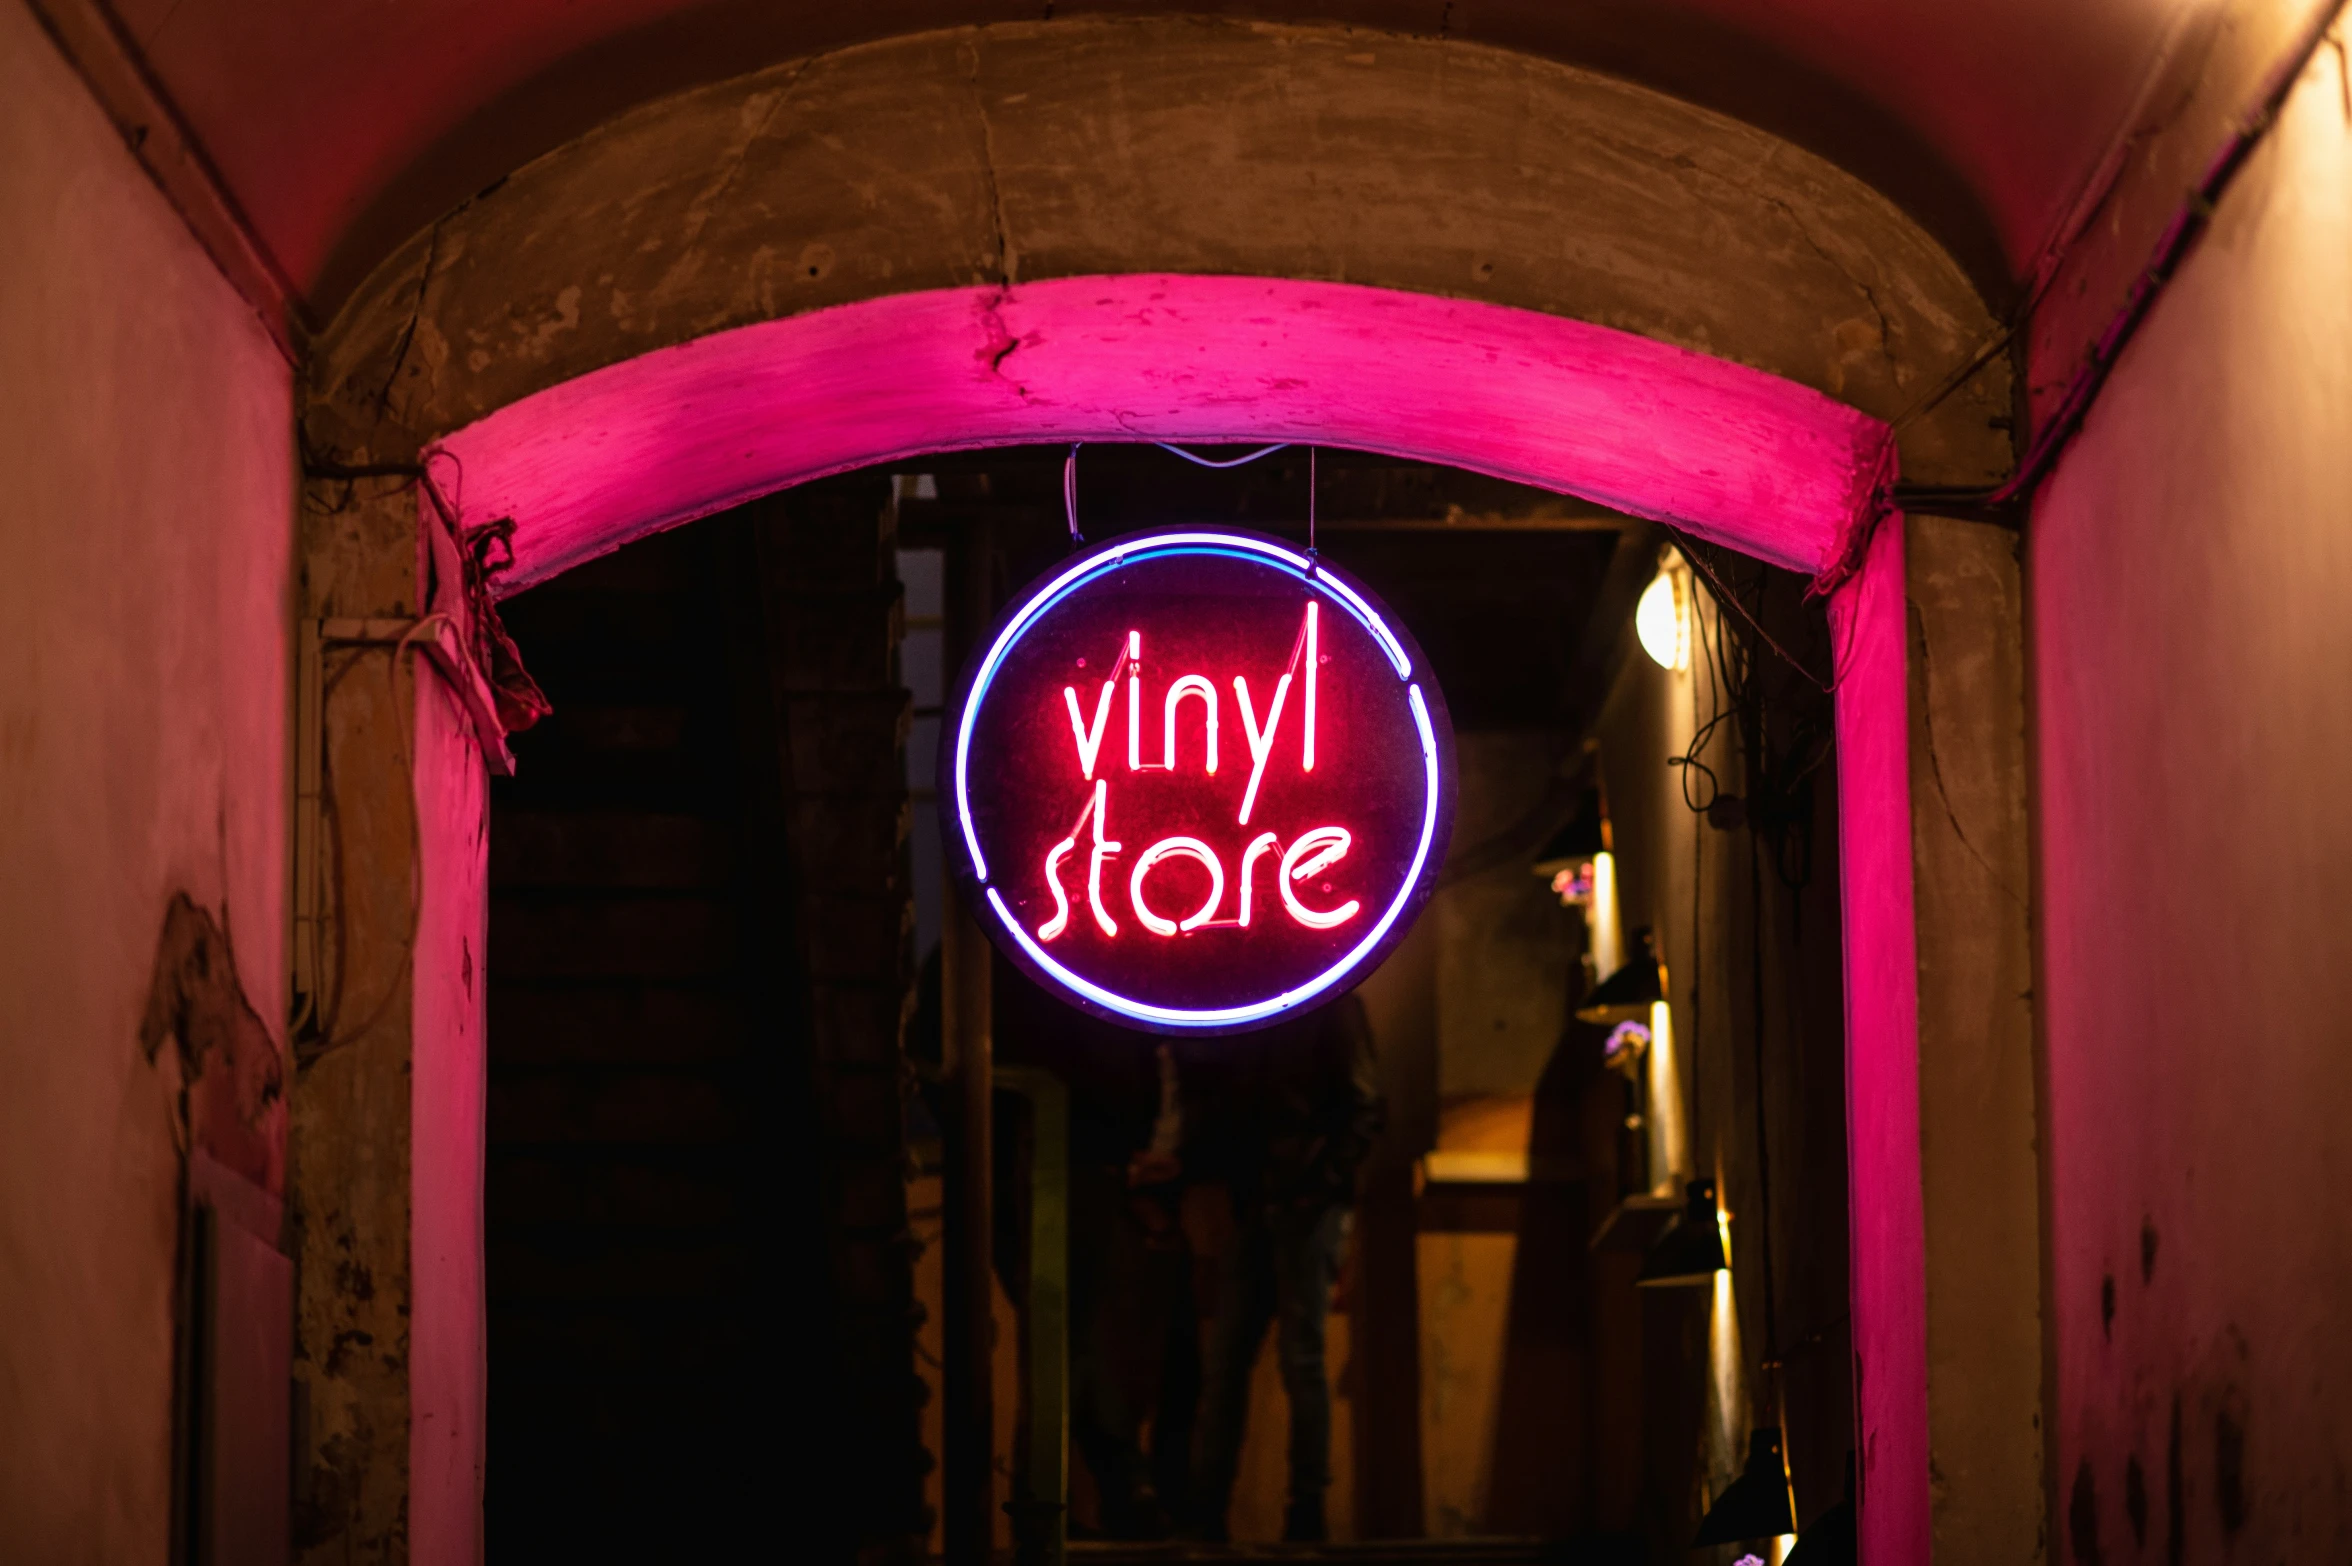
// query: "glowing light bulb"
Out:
[1658,621]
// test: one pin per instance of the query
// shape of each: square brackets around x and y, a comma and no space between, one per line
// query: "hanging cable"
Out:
[1723,595]
[1070,495]
[1211,462]
[1310,501]
[1763,1150]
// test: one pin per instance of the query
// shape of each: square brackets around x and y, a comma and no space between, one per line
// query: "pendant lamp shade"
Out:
[1690,1252]
[1832,1540]
[1585,835]
[1628,994]
[1756,1505]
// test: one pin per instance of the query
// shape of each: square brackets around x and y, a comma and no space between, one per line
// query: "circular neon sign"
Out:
[1197,781]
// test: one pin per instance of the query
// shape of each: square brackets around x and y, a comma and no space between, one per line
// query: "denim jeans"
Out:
[1280,1270]
[1134,1349]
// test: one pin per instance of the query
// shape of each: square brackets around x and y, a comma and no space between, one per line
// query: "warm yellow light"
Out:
[1658,621]
[1607,937]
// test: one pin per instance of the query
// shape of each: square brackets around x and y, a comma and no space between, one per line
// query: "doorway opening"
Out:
[721,1140]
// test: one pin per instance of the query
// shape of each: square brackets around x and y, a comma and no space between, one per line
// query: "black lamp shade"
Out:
[1690,1252]
[1756,1505]
[1583,837]
[1831,1541]
[1628,994]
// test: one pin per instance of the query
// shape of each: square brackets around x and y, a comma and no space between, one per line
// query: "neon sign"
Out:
[1255,829]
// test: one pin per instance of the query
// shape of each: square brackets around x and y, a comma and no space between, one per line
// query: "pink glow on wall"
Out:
[1888,1222]
[448,1359]
[1723,451]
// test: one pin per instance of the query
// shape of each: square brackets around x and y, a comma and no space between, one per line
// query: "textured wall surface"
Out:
[145,432]
[2187,583]
[1978,1147]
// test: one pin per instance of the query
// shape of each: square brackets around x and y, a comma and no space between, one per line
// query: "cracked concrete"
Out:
[1007,259]
[1924,660]
[1001,341]
[1886,327]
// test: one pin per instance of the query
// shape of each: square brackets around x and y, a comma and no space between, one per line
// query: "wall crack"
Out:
[1007,260]
[1935,762]
[416,314]
[1886,327]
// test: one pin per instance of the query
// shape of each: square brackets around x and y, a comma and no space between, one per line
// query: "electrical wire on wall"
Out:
[484,653]
[1786,725]
[1782,714]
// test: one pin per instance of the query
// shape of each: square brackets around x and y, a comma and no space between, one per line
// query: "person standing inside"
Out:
[1134,1331]
[1285,1117]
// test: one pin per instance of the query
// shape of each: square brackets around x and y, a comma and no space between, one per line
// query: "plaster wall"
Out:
[2187,576]
[144,429]
[447,1352]
[1689,882]
[1505,949]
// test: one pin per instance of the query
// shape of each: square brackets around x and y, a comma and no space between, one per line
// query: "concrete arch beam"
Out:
[1746,458]
[1017,153]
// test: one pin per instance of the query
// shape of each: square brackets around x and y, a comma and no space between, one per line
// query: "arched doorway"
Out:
[596,395]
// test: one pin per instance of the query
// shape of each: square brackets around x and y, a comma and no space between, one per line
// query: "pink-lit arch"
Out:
[1727,452]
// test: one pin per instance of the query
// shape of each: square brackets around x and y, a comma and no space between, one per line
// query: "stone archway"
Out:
[1732,454]
[1044,232]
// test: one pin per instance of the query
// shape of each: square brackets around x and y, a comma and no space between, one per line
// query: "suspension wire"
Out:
[1211,462]
[1070,495]
[1310,501]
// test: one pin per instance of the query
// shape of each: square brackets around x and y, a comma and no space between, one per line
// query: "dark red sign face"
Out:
[1197,781]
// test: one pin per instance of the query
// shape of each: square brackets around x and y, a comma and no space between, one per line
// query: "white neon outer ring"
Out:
[1171,1016]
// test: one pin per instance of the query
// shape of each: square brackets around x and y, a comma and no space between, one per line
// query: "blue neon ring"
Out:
[1310,574]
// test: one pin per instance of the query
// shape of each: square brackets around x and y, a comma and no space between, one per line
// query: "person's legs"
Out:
[1245,1304]
[1306,1259]
[1177,1410]
[1102,1422]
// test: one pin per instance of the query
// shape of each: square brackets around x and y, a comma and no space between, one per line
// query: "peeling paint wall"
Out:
[144,548]
[2188,580]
